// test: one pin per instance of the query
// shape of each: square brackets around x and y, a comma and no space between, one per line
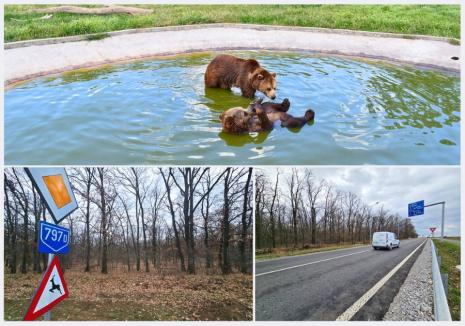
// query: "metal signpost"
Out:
[418,208]
[443,203]
[55,190]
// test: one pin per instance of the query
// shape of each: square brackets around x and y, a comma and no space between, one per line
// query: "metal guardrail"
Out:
[441,308]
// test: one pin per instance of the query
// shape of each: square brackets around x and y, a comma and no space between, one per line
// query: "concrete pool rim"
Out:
[75,38]
[36,53]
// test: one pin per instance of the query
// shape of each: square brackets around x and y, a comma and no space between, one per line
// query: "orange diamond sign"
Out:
[54,187]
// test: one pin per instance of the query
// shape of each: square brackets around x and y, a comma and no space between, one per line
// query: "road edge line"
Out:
[357,305]
[310,263]
[309,253]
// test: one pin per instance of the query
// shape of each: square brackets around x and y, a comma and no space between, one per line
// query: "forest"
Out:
[185,219]
[131,222]
[296,211]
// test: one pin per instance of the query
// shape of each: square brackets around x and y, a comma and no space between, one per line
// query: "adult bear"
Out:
[262,117]
[226,71]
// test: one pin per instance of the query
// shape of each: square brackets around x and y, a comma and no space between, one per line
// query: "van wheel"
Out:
[390,247]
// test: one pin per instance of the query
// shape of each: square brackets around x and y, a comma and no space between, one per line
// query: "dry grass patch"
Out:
[139,296]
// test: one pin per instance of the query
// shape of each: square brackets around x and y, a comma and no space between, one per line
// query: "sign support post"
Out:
[48,314]
[443,203]
[56,192]
[418,208]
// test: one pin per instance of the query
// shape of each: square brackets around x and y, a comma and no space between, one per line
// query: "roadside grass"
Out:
[262,254]
[450,258]
[138,296]
[438,20]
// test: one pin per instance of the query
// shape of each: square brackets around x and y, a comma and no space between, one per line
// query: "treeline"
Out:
[295,211]
[163,219]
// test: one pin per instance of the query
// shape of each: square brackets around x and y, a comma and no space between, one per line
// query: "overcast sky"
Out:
[395,187]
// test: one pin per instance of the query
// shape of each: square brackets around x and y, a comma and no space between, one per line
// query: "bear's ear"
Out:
[260,76]
[222,116]
[273,74]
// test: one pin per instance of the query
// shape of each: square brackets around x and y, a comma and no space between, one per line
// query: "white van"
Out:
[386,240]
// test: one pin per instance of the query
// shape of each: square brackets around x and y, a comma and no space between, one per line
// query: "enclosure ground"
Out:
[138,296]
[21,23]
[450,259]
[261,254]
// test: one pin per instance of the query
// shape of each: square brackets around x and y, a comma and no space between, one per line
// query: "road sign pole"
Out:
[48,314]
[443,203]
[56,193]
[442,222]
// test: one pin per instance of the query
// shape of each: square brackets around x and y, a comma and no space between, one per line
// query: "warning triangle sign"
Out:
[52,290]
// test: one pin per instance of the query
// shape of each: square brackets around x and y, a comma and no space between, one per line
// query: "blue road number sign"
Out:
[416,208]
[53,239]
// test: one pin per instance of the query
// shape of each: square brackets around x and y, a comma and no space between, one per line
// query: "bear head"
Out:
[236,120]
[264,81]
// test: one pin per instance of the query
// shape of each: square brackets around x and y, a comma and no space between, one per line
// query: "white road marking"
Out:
[311,263]
[353,309]
[309,254]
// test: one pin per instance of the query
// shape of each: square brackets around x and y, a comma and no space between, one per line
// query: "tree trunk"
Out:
[26,248]
[173,220]
[190,223]
[313,213]
[104,267]
[137,248]
[226,264]
[13,228]
[272,223]
[244,225]
[206,218]
[88,185]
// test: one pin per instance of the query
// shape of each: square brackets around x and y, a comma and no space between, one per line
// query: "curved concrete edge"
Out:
[26,62]
[76,38]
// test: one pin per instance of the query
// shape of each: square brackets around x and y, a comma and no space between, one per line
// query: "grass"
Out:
[450,258]
[453,238]
[284,252]
[138,296]
[438,20]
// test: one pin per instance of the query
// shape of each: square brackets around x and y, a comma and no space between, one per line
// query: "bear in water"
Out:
[262,117]
[226,71]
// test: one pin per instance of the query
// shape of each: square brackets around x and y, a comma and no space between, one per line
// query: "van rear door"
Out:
[380,239]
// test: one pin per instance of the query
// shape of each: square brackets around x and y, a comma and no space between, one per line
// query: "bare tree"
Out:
[127,215]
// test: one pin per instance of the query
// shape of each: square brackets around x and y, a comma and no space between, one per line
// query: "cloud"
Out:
[396,187]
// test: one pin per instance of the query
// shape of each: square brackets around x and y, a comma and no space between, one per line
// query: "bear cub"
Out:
[262,117]
[226,71]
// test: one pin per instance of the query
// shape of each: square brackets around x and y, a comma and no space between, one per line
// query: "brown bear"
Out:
[226,71]
[262,117]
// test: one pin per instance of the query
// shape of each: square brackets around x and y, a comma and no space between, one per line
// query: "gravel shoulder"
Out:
[414,302]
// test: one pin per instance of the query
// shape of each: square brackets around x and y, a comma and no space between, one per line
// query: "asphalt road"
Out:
[323,285]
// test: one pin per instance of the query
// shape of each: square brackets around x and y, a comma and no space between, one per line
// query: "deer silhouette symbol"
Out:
[54,286]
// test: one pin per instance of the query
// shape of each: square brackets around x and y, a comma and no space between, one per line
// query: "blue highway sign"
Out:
[53,239]
[416,208]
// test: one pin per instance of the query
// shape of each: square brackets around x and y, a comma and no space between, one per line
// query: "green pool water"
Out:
[158,112]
